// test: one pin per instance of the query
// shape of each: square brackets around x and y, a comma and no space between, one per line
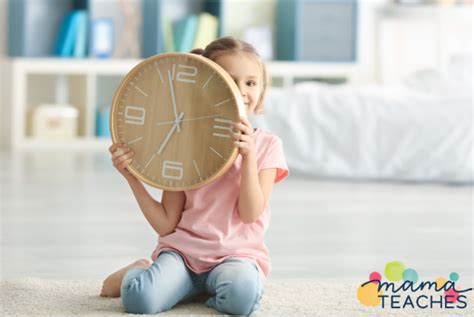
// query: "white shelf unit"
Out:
[414,37]
[33,83]
[92,83]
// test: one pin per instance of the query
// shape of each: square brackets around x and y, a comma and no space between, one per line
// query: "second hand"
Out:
[205,117]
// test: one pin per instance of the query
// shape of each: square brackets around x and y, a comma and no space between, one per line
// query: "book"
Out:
[168,36]
[63,31]
[207,27]
[80,45]
[184,33]
[67,34]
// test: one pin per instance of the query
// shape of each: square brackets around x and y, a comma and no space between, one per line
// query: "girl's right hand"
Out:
[121,158]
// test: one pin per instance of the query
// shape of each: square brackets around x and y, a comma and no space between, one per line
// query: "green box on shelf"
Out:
[156,13]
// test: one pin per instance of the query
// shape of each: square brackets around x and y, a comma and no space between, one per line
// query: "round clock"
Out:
[175,112]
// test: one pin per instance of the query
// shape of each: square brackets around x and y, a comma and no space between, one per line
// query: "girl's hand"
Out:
[244,137]
[121,158]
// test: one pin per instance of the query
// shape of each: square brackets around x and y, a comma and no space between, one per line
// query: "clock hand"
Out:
[173,98]
[197,118]
[170,133]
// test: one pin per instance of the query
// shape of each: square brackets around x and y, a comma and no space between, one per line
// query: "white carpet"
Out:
[41,297]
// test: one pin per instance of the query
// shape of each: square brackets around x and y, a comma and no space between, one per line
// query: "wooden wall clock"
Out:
[175,112]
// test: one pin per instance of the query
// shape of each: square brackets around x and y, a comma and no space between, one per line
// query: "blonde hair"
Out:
[232,45]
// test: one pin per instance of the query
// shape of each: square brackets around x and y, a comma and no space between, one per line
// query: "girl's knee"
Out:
[238,297]
[151,290]
[136,299]
[138,295]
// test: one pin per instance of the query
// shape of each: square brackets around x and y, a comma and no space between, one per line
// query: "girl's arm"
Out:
[255,187]
[164,216]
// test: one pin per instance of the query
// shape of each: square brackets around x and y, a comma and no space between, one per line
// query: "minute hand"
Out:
[173,98]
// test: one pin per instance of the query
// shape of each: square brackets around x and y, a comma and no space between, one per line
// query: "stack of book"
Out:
[73,34]
[192,31]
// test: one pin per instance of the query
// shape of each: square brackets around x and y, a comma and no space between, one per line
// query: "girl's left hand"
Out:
[244,137]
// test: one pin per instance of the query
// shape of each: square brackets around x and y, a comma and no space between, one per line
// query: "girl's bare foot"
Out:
[111,285]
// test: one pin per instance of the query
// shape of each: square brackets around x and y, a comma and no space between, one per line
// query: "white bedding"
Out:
[419,131]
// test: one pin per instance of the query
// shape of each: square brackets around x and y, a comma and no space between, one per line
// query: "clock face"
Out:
[175,112]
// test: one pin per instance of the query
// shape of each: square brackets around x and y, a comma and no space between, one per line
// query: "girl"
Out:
[210,238]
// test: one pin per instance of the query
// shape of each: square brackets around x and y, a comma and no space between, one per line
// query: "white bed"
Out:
[419,130]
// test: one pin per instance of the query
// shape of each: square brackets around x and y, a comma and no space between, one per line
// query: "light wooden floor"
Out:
[71,216]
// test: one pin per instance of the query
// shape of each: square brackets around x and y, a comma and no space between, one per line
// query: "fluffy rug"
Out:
[41,297]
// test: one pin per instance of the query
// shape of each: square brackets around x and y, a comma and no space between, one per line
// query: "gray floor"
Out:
[71,216]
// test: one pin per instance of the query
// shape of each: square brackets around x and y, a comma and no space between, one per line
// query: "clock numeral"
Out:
[192,71]
[171,168]
[134,115]
[222,124]
[189,71]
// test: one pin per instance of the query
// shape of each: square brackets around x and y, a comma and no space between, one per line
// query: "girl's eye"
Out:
[251,83]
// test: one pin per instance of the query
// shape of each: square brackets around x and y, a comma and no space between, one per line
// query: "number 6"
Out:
[169,166]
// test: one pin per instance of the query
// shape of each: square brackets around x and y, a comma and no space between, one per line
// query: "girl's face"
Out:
[247,74]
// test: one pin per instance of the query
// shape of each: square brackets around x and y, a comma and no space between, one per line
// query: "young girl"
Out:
[210,238]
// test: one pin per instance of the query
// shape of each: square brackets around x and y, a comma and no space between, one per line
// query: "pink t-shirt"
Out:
[210,229]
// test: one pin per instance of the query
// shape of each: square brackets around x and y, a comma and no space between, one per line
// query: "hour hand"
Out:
[173,99]
[170,133]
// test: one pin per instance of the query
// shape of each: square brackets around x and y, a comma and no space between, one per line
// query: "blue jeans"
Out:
[234,286]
